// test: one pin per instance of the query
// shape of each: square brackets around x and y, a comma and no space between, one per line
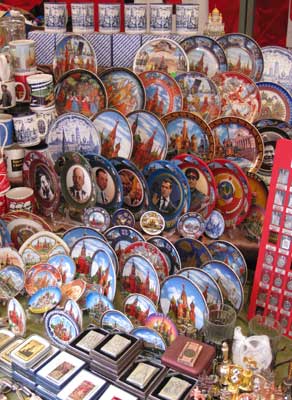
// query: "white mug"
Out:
[8,94]
[27,129]
[56,17]
[109,18]
[82,17]
[23,55]
[161,18]
[14,160]
[135,18]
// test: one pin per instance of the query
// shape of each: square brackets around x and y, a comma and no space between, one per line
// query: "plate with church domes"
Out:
[164,326]
[138,307]
[97,304]
[149,137]
[73,234]
[11,282]
[163,93]
[41,276]
[183,302]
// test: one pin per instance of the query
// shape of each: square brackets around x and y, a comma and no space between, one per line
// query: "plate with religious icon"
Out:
[11,282]
[114,319]
[192,252]
[138,307]
[16,317]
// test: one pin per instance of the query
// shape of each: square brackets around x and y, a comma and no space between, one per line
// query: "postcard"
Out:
[83,387]
[116,345]
[142,375]
[61,370]
[90,340]
[174,389]
[113,392]
[5,354]
[30,350]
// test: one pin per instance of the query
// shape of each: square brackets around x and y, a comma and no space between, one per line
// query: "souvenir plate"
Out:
[152,223]
[5,237]
[276,101]
[84,386]
[239,141]
[43,300]
[263,123]
[150,138]
[169,252]
[161,55]
[123,217]
[200,95]
[97,218]
[205,55]
[192,252]
[228,282]
[164,326]
[207,285]
[71,236]
[103,273]
[16,318]
[215,225]
[73,132]
[73,309]
[183,302]
[40,247]
[119,237]
[188,133]
[243,54]
[277,62]
[40,276]
[9,256]
[124,88]
[163,94]
[115,133]
[11,282]
[28,159]
[61,328]
[231,255]
[80,91]
[138,275]
[73,51]
[97,304]
[114,392]
[73,290]
[116,320]
[240,96]
[65,265]
[191,225]
[152,340]
[138,307]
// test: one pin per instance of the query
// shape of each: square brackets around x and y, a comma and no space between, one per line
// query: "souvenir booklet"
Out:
[115,346]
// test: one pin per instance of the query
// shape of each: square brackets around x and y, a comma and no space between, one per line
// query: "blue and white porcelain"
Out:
[135,18]
[109,18]
[160,18]
[187,19]
[65,265]
[215,225]
[55,17]
[152,340]
[61,328]
[277,66]
[116,320]
[82,15]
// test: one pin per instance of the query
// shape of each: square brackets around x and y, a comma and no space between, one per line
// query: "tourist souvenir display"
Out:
[116,345]
[122,216]
[215,225]
[161,54]
[240,96]
[33,349]
[169,252]
[65,265]
[87,340]
[205,55]
[16,318]
[60,327]
[119,237]
[113,392]
[72,235]
[243,54]
[97,304]
[73,290]
[115,133]
[149,136]
[164,326]
[163,94]
[44,299]
[192,252]
[200,95]
[80,91]
[152,222]
[191,225]
[9,256]
[152,340]
[116,320]
[124,88]
[5,237]
[138,307]
[73,309]
[188,133]
[11,282]
[73,51]
[228,282]
[103,273]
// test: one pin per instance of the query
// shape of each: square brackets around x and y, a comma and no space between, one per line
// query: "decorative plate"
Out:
[40,276]
[115,133]
[40,247]
[228,282]
[80,91]
[5,237]
[16,318]
[138,307]
[152,340]
[276,101]
[122,216]
[161,54]
[43,300]
[164,326]
[240,96]
[243,54]
[169,251]
[205,55]
[73,290]
[230,255]
[28,159]
[109,189]
[192,252]
[90,287]
[138,275]
[124,88]
[183,302]
[277,62]
[116,320]
[200,95]
[97,304]
[163,94]
[73,132]
[61,328]
[278,123]
[207,285]
[239,141]
[150,138]
[73,309]
[71,236]
[103,273]
[97,218]
[73,51]
[188,133]
[215,225]
[119,237]
[191,225]
[11,282]
[8,257]
[65,265]
[152,223]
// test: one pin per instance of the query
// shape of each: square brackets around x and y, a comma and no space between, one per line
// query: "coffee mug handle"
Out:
[4,141]
[46,125]
[24,91]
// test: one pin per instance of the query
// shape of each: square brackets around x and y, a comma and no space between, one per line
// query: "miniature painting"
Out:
[30,350]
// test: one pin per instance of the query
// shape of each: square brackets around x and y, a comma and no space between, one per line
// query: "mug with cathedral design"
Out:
[82,17]
[187,19]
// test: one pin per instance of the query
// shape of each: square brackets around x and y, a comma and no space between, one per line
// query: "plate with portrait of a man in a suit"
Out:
[79,184]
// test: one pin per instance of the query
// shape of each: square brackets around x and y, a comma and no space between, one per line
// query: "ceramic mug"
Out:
[23,55]
[6,68]
[56,17]
[41,90]
[187,18]
[160,18]
[6,130]
[27,129]
[47,113]
[20,199]
[22,78]
[82,17]
[109,18]
[42,147]
[14,161]
[135,18]
[8,97]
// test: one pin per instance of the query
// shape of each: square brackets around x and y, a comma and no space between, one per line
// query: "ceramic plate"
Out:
[5,237]
[97,304]
[192,252]
[65,265]
[103,273]
[215,225]
[97,218]
[43,300]
[152,340]
[8,257]
[73,132]
[152,223]
[150,138]
[200,95]
[115,133]
[169,252]
[124,88]
[164,326]
[116,320]
[163,94]
[122,216]
[239,141]
[73,51]
[119,237]
[16,318]
[11,282]
[205,55]
[263,123]
[61,328]
[41,276]
[138,307]
[28,159]
[72,235]
[73,290]
[191,225]
[72,308]
[188,133]
[243,54]
[240,96]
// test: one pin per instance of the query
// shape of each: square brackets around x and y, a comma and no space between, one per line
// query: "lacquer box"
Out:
[5,360]
[174,386]
[86,341]
[30,351]
[6,336]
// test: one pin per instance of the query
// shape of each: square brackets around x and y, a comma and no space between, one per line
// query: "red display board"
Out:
[272,287]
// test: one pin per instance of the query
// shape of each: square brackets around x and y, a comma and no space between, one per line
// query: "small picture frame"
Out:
[114,392]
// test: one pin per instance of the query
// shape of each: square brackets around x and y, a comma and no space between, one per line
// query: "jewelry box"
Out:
[86,341]
[174,386]
[30,351]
